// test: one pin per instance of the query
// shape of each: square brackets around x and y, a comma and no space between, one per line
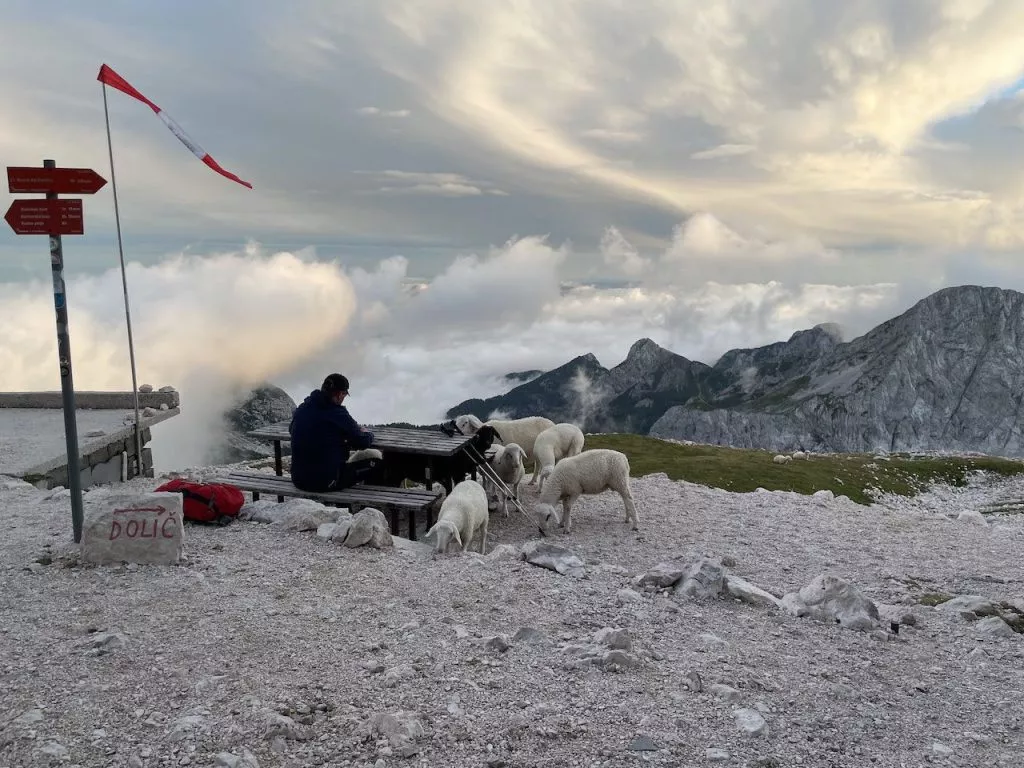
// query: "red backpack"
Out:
[207,502]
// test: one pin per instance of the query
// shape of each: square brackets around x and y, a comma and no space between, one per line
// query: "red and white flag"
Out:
[109,77]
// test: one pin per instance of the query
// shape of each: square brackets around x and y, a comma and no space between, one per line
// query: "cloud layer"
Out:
[216,324]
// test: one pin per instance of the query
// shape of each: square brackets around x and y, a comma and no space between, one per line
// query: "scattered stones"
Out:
[725,692]
[528,635]
[973,517]
[229,760]
[369,527]
[829,598]
[628,596]
[750,722]
[643,744]
[703,579]
[555,558]
[497,644]
[284,727]
[102,643]
[133,528]
[749,593]
[613,637]
[994,626]
[661,576]
[305,515]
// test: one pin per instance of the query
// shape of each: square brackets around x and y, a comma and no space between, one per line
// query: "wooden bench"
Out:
[391,500]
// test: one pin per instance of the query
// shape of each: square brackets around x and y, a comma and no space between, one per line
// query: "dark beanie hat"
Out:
[335,382]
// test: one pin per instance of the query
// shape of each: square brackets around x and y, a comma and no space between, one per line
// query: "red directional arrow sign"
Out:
[62,181]
[46,217]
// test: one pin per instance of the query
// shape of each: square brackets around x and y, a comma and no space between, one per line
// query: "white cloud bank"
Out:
[214,325]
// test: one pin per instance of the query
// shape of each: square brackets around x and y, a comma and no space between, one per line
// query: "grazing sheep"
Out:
[554,444]
[508,465]
[463,514]
[782,459]
[522,431]
[591,472]
[799,455]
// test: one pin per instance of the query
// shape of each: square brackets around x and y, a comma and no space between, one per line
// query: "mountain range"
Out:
[947,374]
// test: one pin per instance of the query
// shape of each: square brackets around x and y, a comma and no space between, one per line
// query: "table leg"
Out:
[394,521]
[412,525]
[278,464]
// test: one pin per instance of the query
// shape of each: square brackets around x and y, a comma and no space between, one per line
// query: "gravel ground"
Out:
[194,660]
[30,436]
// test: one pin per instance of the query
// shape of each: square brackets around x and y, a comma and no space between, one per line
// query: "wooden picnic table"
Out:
[430,448]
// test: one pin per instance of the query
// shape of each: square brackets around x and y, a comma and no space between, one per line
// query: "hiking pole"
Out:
[487,470]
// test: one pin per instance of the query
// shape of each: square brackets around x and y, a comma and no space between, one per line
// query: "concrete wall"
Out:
[90,400]
[102,459]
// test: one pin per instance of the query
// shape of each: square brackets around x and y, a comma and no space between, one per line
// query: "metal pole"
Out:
[124,285]
[67,385]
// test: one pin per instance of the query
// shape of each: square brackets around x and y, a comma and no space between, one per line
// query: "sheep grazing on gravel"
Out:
[522,431]
[554,444]
[463,515]
[507,464]
[782,459]
[591,472]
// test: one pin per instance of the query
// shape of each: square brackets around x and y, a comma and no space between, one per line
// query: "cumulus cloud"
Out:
[412,347]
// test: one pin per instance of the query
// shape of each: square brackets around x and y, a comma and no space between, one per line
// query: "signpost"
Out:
[55,217]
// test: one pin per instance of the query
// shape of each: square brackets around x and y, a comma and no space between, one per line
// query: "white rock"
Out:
[229,760]
[148,412]
[703,579]
[614,637]
[305,515]
[969,606]
[661,576]
[749,593]
[993,626]
[793,605]
[824,495]
[627,596]
[369,527]
[941,749]
[715,755]
[145,388]
[751,722]
[55,750]
[830,598]
[135,528]
[29,717]
[326,530]
[555,558]
[725,692]
[972,516]
[395,675]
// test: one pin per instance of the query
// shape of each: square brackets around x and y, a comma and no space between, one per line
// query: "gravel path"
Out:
[194,659]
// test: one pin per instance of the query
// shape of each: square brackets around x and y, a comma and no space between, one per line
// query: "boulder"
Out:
[369,527]
[830,598]
[555,558]
[136,528]
[259,407]
[704,578]
[750,593]
[661,576]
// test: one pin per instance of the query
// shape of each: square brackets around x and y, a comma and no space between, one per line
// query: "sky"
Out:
[448,190]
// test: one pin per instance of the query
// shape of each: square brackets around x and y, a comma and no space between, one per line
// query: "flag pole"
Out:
[124,284]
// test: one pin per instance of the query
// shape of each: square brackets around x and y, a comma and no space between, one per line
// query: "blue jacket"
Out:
[322,434]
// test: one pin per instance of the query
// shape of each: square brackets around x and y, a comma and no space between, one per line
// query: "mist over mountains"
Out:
[947,374]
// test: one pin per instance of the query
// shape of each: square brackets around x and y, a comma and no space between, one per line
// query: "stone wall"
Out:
[90,400]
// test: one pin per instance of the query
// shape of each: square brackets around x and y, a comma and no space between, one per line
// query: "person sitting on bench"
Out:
[323,433]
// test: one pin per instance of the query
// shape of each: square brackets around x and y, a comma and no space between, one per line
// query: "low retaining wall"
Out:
[90,400]
[109,458]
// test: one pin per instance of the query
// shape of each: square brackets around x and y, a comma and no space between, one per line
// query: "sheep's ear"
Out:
[432,533]
[458,538]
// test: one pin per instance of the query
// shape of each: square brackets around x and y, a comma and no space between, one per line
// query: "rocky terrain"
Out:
[708,638]
[947,374]
[263,405]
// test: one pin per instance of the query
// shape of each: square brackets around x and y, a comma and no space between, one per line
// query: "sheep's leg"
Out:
[627,500]
[567,512]
[483,536]
[536,469]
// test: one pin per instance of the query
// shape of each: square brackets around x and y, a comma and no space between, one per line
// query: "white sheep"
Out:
[554,444]
[522,431]
[591,472]
[463,515]
[507,464]
[782,459]
[799,455]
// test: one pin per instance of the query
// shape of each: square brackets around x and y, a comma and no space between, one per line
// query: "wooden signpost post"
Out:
[55,217]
